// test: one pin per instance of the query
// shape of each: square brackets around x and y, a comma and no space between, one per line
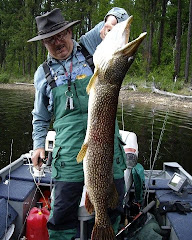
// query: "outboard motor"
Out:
[131,151]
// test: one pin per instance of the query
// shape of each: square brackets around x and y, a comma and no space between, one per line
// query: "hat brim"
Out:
[50,34]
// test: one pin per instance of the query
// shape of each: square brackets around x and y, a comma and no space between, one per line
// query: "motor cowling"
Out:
[130,147]
[131,151]
[36,228]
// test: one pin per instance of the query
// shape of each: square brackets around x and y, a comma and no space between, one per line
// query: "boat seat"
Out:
[21,195]
[23,173]
[6,222]
[18,190]
[181,222]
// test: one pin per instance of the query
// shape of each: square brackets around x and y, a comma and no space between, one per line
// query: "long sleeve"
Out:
[42,111]
[92,38]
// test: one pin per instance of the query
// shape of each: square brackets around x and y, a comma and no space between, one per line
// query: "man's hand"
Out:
[109,24]
[37,157]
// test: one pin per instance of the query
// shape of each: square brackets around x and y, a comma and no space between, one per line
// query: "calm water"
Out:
[147,122]
[15,124]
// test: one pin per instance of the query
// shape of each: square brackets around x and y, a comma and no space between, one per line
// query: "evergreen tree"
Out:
[189,40]
[169,31]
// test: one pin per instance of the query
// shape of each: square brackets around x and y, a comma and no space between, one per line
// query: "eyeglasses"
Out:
[60,36]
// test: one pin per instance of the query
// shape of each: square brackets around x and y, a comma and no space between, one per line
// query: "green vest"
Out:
[70,127]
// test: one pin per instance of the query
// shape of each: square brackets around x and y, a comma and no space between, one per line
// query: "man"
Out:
[60,85]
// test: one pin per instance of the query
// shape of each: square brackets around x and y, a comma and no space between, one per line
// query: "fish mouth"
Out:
[127,29]
[116,44]
[130,48]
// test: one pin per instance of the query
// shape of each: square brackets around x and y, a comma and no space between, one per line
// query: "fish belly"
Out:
[98,164]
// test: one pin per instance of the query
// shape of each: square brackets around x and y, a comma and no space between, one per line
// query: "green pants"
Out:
[63,221]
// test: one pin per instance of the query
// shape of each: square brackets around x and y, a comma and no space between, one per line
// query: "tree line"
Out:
[166,50]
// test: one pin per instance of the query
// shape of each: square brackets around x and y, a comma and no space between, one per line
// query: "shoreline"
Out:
[17,86]
[155,99]
[149,98]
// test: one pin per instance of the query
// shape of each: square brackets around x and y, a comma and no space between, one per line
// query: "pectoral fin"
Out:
[92,81]
[82,152]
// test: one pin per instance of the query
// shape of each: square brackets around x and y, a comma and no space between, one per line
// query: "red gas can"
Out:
[37,224]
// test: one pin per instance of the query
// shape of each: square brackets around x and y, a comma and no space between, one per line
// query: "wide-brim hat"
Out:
[50,24]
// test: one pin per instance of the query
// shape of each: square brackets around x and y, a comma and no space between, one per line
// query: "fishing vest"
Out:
[70,126]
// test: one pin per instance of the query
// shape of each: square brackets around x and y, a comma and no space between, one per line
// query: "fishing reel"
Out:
[38,172]
[49,145]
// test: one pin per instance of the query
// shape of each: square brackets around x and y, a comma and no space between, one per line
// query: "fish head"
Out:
[115,54]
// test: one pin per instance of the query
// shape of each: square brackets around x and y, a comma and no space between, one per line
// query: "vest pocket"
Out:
[119,162]
[65,166]
[55,157]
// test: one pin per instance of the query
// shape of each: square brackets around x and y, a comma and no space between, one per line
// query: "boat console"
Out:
[170,186]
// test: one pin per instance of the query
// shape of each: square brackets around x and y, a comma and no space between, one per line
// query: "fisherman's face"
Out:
[60,46]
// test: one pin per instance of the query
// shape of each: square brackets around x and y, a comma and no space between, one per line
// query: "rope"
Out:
[37,183]
[37,188]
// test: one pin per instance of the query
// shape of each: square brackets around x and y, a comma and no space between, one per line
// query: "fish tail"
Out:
[88,205]
[102,233]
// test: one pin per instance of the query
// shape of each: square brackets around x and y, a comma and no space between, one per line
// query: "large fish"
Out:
[112,59]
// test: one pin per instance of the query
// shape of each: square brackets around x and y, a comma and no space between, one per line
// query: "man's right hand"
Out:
[37,157]
[109,24]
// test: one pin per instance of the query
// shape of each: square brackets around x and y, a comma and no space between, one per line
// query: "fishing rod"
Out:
[8,194]
[159,143]
[141,213]
[8,198]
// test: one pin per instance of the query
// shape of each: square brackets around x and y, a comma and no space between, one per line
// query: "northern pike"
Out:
[112,59]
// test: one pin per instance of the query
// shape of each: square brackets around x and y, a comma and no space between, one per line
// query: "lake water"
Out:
[143,119]
[15,123]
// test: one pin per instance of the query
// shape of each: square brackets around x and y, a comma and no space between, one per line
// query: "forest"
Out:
[165,55]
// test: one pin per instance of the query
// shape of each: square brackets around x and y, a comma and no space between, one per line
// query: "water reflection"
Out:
[147,123]
[143,119]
